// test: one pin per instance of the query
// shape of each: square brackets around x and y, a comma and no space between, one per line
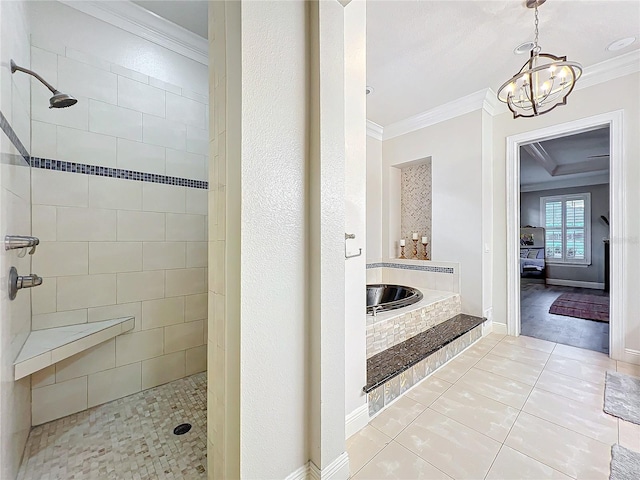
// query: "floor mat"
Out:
[582,305]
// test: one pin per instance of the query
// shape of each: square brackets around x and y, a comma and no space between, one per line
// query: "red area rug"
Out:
[582,305]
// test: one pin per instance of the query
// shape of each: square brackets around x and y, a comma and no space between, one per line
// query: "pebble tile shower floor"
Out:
[129,438]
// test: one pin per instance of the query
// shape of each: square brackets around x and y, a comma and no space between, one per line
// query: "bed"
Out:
[532,252]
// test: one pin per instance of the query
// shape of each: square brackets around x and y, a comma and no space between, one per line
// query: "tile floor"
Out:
[129,438]
[508,408]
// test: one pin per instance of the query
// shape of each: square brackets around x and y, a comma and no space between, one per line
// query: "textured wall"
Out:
[415,205]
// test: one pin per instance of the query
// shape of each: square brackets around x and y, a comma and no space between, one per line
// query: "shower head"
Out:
[59,99]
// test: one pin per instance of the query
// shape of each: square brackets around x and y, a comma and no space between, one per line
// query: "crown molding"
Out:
[609,70]
[145,24]
[374,130]
[565,183]
[488,100]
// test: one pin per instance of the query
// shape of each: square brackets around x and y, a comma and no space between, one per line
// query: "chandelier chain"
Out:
[536,23]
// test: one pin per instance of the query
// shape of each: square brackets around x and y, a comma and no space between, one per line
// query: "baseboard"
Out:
[499,328]
[356,420]
[336,470]
[575,283]
[301,473]
[631,356]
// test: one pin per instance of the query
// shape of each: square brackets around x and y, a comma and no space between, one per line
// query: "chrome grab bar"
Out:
[16,242]
[18,282]
[350,236]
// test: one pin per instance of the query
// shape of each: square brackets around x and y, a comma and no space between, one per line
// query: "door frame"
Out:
[617,191]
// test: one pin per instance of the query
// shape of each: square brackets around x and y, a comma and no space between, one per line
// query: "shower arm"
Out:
[15,68]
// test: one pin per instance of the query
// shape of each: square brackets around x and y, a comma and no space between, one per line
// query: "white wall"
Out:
[355,205]
[112,247]
[15,206]
[620,94]
[374,200]
[456,149]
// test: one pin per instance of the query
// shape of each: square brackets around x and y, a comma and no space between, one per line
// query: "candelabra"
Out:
[426,255]
[415,249]
[402,251]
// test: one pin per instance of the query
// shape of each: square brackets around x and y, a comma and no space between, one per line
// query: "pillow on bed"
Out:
[533,253]
[524,252]
[540,253]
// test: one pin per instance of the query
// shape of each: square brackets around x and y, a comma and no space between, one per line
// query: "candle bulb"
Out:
[415,235]
[424,240]
[402,242]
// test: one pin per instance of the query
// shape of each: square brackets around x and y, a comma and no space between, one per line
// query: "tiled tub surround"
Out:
[415,204]
[127,439]
[444,276]
[121,213]
[390,328]
[396,370]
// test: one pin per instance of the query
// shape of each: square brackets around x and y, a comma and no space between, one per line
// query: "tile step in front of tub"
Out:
[392,372]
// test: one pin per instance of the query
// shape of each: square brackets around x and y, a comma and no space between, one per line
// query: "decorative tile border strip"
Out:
[424,268]
[62,166]
[11,133]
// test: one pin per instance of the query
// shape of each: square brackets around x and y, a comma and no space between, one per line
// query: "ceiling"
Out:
[574,160]
[192,15]
[422,54]
[425,53]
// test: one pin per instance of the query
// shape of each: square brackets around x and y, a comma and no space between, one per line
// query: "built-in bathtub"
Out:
[382,297]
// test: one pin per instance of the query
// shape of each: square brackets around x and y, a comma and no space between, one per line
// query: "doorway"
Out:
[612,121]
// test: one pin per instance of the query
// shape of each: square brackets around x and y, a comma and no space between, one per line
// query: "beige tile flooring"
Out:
[508,408]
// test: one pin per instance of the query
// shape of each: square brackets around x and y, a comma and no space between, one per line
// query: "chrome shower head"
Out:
[59,99]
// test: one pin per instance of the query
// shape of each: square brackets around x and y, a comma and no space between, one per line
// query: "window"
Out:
[567,223]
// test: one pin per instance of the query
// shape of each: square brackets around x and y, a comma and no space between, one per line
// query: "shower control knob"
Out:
[18,282]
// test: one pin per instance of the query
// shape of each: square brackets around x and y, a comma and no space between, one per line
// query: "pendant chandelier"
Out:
[543,83]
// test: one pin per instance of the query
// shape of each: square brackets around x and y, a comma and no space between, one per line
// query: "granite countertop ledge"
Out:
[386,365]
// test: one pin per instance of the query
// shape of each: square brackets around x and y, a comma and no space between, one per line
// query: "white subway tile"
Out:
[183,336]
[49,187]
[165,133]
[141,97]
[163,255]
[132,74]
[74,117]
[117,121]
[43,221]
[196,307]
[85,224]
[133,287]
[85,147]
[47,43]
[46,64]
[44,140]
[85,291]
[43,298]
[58,259]
[139,346]
[185,165]
[44,377]
[58,319]
[196,360]
[95,359]
[114,193]
[115,257]
[140,157]
[197,140]
[82,79]
[197,254]
[164,369]
[58,400]
[185,110]
[186,281]
[141,226]
[197,201]
[190,228]
[196,96]
[157,197]
[87,58]
[164,85]
[97,314]
[162,312]
[115,383]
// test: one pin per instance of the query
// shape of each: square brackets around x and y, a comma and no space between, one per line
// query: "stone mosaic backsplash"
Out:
[384,334]
[415,204]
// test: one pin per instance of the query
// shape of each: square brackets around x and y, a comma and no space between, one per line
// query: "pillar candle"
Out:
[424,240]
[415,235]
[402,242]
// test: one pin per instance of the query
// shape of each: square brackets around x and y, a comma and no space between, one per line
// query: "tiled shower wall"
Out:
[415,205]
[112,247]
